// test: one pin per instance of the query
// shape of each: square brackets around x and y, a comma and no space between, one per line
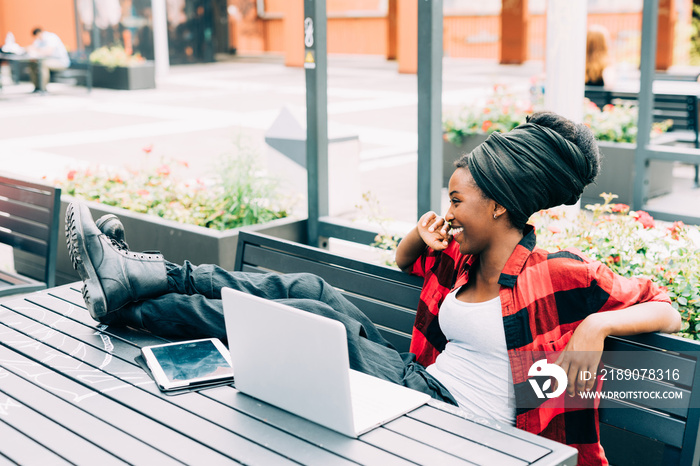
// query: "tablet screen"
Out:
[191,361]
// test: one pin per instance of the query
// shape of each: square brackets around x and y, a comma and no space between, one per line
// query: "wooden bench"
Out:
[29,223]
[631,431]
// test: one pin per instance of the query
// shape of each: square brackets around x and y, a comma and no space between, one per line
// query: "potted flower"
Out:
[633,244]
[184,218]
[471,125]
[615,127]
[114,68]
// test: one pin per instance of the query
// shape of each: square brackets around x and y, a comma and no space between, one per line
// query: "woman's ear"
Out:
[498,210]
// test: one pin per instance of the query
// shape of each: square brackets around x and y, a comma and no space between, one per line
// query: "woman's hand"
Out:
[582,355]
[433,230]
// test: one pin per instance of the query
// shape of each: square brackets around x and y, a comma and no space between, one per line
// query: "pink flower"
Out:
[163,170]
[645,219]
[143,192]
[486,125]
[675,229]
[620,208]
[554,229]
[147,149]
[71,175]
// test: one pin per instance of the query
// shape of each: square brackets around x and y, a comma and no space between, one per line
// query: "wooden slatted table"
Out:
[71,392]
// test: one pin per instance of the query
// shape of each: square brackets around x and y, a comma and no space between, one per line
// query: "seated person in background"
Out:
[599,71]
[48,46]
[490,297]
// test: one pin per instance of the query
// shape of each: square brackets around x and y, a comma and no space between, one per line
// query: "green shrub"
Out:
[238,194]
[633,244]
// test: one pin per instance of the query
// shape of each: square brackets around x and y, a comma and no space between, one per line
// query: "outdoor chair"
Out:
[29,222]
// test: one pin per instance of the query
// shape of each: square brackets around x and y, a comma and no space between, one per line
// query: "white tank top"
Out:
[474,366]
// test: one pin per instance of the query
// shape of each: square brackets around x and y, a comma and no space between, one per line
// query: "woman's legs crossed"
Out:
[207,280]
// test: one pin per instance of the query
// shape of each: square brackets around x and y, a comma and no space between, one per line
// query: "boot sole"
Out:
[94,296]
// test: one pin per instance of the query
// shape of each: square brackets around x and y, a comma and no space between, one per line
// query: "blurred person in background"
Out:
[50,48]
[599,71]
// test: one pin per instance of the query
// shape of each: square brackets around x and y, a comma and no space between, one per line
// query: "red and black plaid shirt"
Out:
[544,297]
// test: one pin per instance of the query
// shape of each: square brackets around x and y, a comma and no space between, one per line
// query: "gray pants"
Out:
[192,308]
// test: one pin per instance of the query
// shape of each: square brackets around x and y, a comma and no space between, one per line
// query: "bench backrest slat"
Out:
[29,220]
[665,429]
[390,297]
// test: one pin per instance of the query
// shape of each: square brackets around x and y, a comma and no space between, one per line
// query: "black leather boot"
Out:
[112,275]
[111,226]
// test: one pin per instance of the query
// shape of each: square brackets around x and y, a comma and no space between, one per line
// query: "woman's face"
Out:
[470,214]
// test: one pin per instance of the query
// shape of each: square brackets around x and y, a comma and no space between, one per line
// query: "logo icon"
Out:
[543,368]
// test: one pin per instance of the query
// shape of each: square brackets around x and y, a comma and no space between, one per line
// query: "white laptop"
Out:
[298,361]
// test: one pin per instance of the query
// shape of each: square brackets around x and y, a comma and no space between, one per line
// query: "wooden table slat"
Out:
[92,428]
[505,442]
[122,417]
[451,443]
[17,448]
[408,448]
[54,436]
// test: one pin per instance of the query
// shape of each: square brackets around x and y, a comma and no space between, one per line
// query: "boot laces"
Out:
[119,244]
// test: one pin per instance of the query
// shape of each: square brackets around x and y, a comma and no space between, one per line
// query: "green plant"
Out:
[617,123]
[502,113]
[238,194]
[695,36]
[633,244]
[114,56]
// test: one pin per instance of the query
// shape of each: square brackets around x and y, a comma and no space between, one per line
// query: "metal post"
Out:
[646,102]
[95,39]
[429,105]
[315,63]
[78,28]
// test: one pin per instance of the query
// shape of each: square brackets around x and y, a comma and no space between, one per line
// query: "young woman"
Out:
[491,300]
[490,296]
[598,69]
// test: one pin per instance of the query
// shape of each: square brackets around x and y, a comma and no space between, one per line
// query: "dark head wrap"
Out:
[529,169]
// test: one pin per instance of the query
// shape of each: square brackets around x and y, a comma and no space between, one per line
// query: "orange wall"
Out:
[21,16]
[357,35]
[471,36]
[274,35]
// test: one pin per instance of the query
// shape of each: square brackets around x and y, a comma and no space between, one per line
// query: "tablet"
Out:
[189,364]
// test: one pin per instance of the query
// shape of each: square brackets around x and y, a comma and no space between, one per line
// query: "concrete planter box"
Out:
[617,175]
[178,242]
[140,76]
[452,153]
